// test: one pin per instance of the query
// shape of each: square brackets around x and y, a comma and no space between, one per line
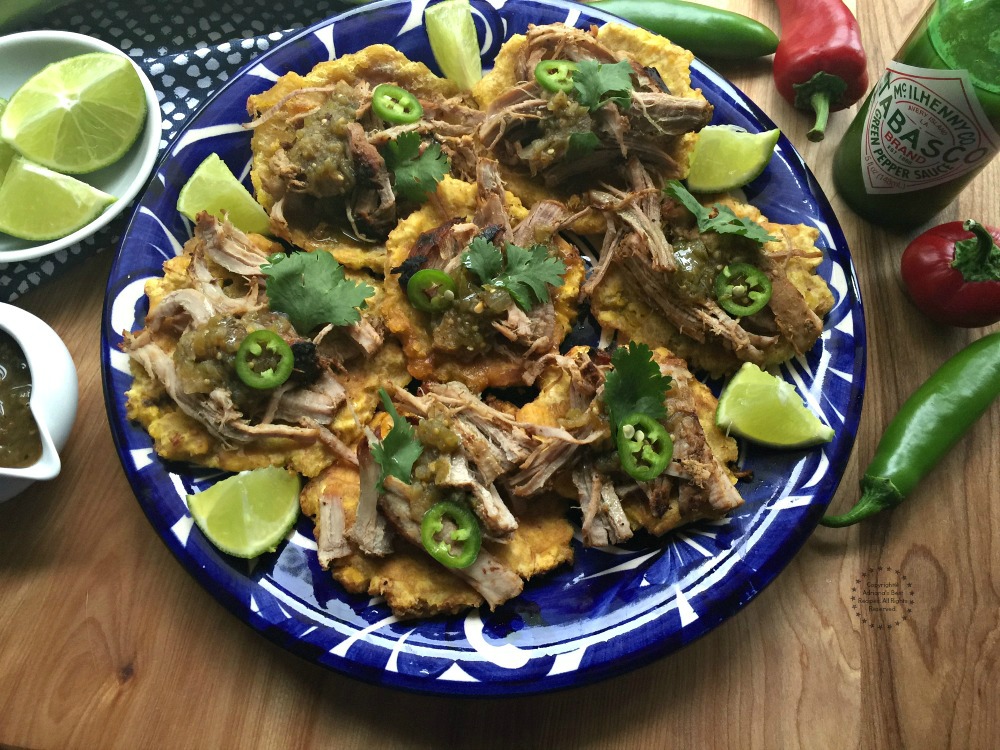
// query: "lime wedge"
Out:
[6,152]
[760,407]
[39,204]
[249,513]
[452,34]
[215,189]
[727,157]
[77,115]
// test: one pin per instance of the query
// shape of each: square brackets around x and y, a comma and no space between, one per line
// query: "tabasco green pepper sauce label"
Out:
[924,127]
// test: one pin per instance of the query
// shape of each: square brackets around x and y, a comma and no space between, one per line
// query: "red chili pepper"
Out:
[820,64]
[952,274]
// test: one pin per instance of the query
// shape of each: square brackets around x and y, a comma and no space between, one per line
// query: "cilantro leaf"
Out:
[311,289]
[415,174]
[484,259]
[634,384]
[528,273]
[726,222]
[399,449]
[717,217]
[596,84]
[525,272]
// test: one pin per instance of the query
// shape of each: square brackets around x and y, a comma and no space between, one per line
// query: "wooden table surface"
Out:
[105,641]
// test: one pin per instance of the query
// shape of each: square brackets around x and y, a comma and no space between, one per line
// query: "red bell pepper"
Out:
[820,63]
[952,274]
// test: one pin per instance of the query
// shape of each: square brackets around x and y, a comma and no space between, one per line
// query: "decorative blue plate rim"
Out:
[614,609]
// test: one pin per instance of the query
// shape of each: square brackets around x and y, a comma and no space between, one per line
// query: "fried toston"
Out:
[320,150]
[558,144]
[485,339]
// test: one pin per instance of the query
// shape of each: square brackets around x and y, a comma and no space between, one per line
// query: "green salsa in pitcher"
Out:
[930,124]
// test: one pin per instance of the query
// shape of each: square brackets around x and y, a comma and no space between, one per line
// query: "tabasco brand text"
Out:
[924,127]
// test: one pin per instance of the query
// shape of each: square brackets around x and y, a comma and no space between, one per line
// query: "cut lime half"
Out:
[77,115]
[452,34]
[250,513]
[765,409]
[38,204]
[214,188]
[726,157]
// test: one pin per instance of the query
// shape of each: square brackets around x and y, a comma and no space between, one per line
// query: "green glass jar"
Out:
[930,124]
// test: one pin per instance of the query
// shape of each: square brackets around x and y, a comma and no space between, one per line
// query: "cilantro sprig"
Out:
[717,217]
[524,272]
[399,449]
[312,290]
[595,84]
[634,385]
[415,174]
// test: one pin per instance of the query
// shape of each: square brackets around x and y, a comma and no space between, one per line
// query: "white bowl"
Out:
[54,392]
[21,56]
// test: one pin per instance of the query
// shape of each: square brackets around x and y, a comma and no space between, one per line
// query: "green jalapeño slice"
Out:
[431,290]
[264,360]
[555,75]
[396,105]
[742,289]
[644,447]
[450,533]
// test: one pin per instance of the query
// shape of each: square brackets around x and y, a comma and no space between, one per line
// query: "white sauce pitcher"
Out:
[54,393]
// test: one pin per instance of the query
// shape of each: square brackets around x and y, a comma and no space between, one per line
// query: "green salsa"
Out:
[20,443]
[967,35]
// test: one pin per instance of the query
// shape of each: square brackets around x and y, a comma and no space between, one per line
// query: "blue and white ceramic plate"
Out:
[615,608]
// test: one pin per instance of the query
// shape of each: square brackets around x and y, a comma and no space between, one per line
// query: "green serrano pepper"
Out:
[707,32]
[930,422]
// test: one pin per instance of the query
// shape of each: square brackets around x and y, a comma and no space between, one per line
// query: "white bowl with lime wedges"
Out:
[79,135]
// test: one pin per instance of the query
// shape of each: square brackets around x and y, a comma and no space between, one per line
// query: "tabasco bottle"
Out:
[930,123]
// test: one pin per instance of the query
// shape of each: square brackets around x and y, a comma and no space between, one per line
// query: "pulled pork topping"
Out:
[560,137]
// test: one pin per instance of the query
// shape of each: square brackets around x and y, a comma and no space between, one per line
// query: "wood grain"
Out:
[108,643]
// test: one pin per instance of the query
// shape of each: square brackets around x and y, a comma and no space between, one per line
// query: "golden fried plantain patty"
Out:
[281,109]
[618,307]
[457,199]
[648,50]
[413,584]
[179,437]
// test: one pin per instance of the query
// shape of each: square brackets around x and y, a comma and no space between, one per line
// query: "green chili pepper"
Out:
[396,105]
[930,422]
[742,289]
[457,546]
[264,360]
[708,32]
[644,446]
[431,290]
[555,75]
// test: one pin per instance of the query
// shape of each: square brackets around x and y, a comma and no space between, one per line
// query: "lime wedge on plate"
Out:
[249,513]
[214,188]
[452,34]
[726,157]
[38,204]
[760,407]
[77,115]
[6,152]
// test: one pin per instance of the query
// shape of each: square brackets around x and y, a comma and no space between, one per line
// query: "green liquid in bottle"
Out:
[953,35]
[967,35]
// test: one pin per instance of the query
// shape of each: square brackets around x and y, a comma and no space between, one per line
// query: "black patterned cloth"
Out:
[188,48]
